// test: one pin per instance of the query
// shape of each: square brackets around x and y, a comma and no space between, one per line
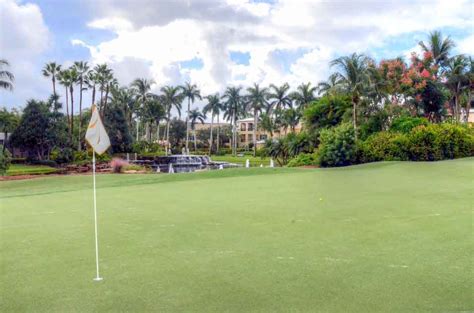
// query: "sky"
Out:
[215,43]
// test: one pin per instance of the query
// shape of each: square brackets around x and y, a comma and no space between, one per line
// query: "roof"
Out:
[248,119]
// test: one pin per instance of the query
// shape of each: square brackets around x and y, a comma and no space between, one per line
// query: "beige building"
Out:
[245,128]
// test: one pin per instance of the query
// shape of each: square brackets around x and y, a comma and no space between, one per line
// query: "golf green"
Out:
[382,237]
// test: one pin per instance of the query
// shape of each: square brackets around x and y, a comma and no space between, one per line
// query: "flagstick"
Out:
[98,278]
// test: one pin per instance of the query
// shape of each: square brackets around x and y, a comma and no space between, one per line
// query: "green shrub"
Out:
[5,161]
[405,124]
[62,156]
[337,146]
[303,159]
[440,141]
[82,157]
[384,146]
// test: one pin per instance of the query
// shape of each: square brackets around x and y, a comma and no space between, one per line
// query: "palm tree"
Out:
[352,75]
[438,46]
[6,77]
[171,98]
[91,81]
[303,95]
[191,92]
[142,89]
[73,79]
[267,123]
[213,106]
[64,78]
[457,80]
[124,98]
[104,78]
[257,101]
[52,70]
[280,97]
[291,118]
[82,68]
[195,116]
[152,113]
[329,87]
[233,109]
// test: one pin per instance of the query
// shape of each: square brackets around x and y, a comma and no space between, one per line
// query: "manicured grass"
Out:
[22,169]
[384,237]
[254,161]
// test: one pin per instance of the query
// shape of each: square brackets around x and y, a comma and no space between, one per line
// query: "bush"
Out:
[384,146]
[5,161]
[440,141]
[61,156]
[405,124]
[337,146]
[133,167]
[303,159]
[118,165]
[145,147]
[50,163]
[85,156]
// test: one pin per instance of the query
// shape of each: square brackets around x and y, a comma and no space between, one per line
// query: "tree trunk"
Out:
[354,117]
[210,139]
[168,132]
[105,100]
[71,89]
[234,146]
[218,131]
[195,143]
[93,95]
[79,147]
[187,124]
[54,93]
[255,121]
[158,131]
[67,111]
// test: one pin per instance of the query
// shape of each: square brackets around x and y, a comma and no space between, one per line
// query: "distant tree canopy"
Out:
[40,130]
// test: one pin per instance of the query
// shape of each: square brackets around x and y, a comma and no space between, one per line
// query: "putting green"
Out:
[383,237]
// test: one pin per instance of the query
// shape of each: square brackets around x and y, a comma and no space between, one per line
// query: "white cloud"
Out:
[210,29]
[466,46]
[23,38]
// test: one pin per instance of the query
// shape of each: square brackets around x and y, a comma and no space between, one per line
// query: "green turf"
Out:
[386,237]
[254,161]
[22,169]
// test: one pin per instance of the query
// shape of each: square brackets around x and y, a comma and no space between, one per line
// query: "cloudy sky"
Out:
[215,43]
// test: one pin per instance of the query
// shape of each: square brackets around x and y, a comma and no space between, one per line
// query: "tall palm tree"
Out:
[52,70]
[124,98]
[104,78]
[6,77]
[190,92]
[65,79]
[213,106]
[438,46]
[73,78]
[195,116]
[352,75]
[82,68]
[171,98]
[142,90]
[457,80]
[233,110]
[279,97]
[152,113]
[91,80]
[257,101]
[303,95]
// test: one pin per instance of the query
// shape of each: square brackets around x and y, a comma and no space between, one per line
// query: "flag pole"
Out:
[97,278]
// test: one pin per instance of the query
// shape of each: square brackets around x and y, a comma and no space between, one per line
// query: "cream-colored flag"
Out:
[96,135]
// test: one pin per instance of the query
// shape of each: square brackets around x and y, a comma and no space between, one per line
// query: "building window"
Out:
[242,138]
[263,137]
[250,138]
[250,127]
[242,127]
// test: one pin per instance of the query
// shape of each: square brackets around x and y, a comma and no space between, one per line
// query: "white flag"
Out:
[96,135]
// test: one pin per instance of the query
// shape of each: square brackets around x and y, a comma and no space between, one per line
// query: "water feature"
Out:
[180,163]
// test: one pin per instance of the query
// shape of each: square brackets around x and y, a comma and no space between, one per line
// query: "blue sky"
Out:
[214,43]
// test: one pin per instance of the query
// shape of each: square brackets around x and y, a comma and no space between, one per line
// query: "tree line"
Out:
[435,85]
